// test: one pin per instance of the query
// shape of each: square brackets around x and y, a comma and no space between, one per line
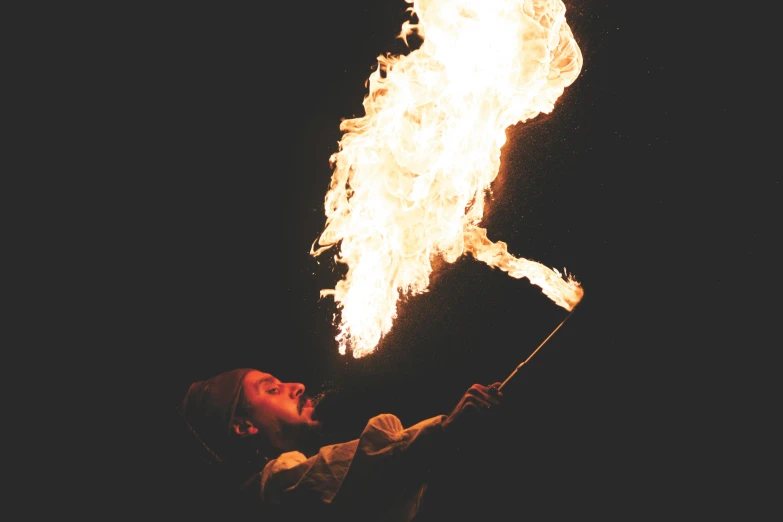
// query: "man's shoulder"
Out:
[286,460]
[387,421]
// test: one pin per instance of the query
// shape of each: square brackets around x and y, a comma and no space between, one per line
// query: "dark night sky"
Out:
[245,122]
[233,118]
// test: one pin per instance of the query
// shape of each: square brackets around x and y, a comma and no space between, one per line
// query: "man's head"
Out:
[246,407]
[278,411]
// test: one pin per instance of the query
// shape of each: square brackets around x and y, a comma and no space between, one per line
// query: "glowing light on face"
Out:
[411,175]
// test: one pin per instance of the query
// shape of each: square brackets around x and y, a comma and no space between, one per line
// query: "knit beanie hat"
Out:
[209,406]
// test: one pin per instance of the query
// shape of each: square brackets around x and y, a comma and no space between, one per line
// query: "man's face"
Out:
[280,410]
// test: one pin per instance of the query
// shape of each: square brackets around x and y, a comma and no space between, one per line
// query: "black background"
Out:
[228,116]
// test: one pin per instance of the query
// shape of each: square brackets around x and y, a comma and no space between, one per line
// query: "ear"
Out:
[243,427]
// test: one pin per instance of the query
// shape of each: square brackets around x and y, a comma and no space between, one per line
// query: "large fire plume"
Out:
[410,179]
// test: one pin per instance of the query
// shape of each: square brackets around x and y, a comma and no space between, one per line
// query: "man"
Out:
[263,439]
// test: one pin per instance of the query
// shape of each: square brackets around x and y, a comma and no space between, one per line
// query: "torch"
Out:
[499,388]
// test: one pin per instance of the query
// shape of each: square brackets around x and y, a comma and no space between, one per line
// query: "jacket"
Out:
[379,477]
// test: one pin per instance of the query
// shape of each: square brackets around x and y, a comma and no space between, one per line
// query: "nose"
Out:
[297,389]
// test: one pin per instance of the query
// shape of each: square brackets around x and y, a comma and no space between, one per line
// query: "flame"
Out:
[410,178]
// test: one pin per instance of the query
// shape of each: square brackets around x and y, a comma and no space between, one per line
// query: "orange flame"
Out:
[410,177]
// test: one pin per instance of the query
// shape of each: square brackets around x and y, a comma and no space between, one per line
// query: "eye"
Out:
[273,390]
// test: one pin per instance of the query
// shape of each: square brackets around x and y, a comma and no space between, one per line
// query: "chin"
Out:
[310,438]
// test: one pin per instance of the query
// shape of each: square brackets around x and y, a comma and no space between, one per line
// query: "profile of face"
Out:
[278,411]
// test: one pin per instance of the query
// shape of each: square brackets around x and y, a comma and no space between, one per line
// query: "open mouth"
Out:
[304,404]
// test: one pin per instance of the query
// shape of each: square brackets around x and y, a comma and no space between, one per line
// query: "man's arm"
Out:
[385,470]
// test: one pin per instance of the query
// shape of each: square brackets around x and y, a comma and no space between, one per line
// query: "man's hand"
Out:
[473,411]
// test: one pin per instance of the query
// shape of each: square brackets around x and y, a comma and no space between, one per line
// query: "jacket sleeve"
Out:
[384,470]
